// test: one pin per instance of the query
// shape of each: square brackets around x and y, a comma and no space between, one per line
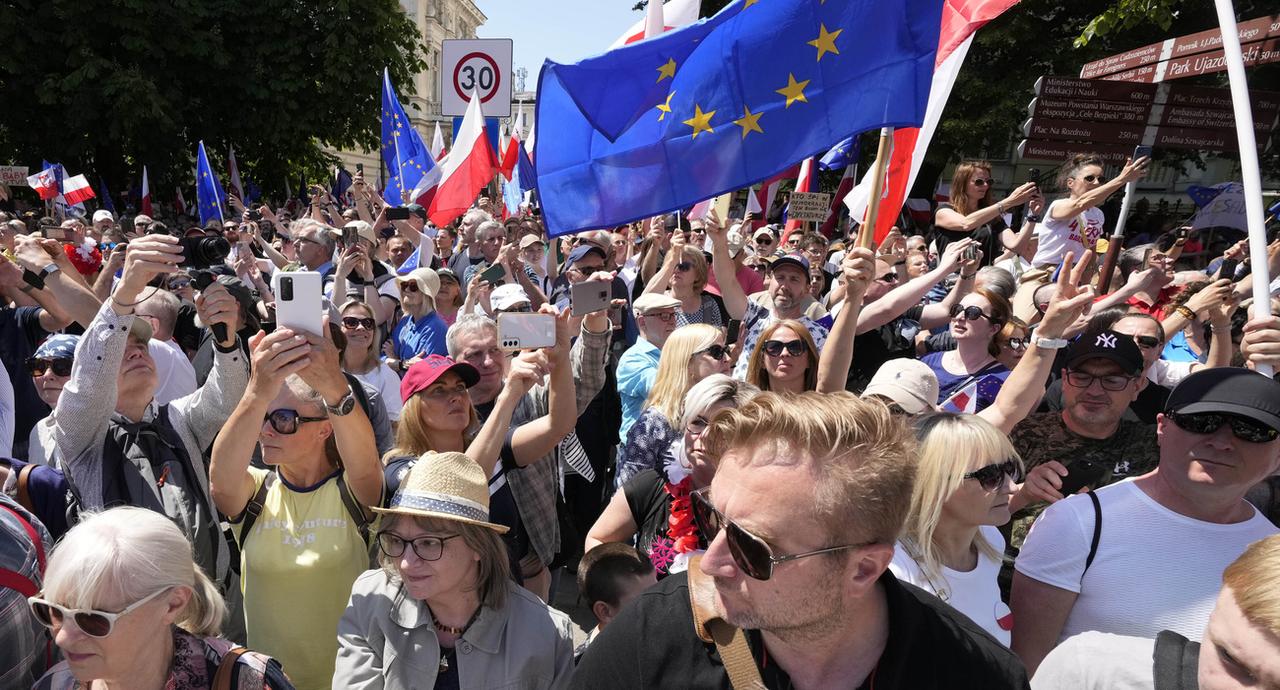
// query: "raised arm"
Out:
[903,297]
[735,298]
[1063,209]
[950,219]
[526,370]
[857,269]
[934,315]
[662,278]
[535,439]
[275,357]
[205,411]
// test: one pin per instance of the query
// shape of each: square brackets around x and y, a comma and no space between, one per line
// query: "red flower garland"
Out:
[681,529]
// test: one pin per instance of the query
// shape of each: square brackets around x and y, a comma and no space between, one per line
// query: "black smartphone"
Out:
[360,168]
[252,215]
[970,252]
[1033,175]
[1139,151]
[1228,269]
[397,213]
[493,274]
[733,331]
[1080,474]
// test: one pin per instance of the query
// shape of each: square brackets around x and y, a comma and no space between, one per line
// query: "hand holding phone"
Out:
[299,301]
[589,297]
[1083,472]
[519,331]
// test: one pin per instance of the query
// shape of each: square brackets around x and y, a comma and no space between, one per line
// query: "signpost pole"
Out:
[1116,239]
[1252,179]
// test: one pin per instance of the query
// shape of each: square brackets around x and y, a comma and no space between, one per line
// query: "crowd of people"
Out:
[754,456]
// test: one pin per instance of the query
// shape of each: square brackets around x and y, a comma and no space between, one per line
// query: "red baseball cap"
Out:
[421,375]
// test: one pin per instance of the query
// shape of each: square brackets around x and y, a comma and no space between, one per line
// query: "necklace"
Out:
[450,629]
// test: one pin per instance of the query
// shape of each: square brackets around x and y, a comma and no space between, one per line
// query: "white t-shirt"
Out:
[1155,569]
[976,593]
[1098,661]
[388,385]
[1057,237]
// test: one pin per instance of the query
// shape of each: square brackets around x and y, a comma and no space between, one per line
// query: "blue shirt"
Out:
[1178,350]
[637,369]
[424,336]
[949,384]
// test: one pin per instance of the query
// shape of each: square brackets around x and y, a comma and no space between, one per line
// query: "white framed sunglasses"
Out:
[91,622]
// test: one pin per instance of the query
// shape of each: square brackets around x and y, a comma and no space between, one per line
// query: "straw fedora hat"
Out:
[449,486]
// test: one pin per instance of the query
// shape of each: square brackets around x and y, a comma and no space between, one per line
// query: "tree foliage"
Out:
[110,85]
[1127,14]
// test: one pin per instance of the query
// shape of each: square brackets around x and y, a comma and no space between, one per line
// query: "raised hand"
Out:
[1071,298]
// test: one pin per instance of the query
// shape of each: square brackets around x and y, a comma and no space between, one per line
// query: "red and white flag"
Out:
[179,203]
[510,156]
[45,183]
[437,144]
[465,171]
[146,192]
[847,181]
[806,181]
[658,19]
[233,174]
[960,20]
[759,201]
[77,190]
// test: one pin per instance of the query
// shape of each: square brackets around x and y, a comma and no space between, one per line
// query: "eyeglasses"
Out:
[774,348]
[91,622]
[354,322]
[1146,342]
[179,284]
[426,548]
[890,278]
[697,425]
[992,476]
[684,266]
[444,393]
[408,286]
[664,316]
[1242,428]
[716,351]
[286,421]
[519,309]
[982,181]
[971,313]
[1110,382]
[1094,178]
[60,367]
[1016,343]
[751,554]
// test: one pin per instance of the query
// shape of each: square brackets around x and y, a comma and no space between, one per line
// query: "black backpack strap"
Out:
[1175,662]
[358,513]
[1097,532]
[254,507]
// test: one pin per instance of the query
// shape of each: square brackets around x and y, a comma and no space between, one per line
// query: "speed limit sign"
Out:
[481,66]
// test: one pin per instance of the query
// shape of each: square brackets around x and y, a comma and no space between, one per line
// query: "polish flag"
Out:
[658,19]
[45,183]
[233,174]
[510,157]
[146,192]
[465,171]
[760,201]
[806,182]
[960,20]
[179,203]
[437,144]
[77,190]
[847,182]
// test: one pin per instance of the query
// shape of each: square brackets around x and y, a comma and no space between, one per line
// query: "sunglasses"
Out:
[1242,428]
[774,348]
[716,351]
[1094,178]
[971,313]
[1146,342]
[426,548]
[982,181]
[354,322]
[684,266]
[992,476]
[764,240]
[178,284]
[1016,343]
[522,309]
[1111,382]
[751,554]
[286,421]
[37,366]
[888,278]
[91,622]
[409,286]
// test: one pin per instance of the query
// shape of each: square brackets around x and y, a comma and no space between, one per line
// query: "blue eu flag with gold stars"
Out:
[724,103]
[403,152]
[209,194]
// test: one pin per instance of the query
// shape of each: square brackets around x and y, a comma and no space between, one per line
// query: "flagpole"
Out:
[867,233]
[1116,240]
[1251,178]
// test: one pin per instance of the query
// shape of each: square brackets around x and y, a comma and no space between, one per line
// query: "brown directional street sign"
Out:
[1250,31]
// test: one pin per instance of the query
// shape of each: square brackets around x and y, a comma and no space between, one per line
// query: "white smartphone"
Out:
[299,301]
[526,331]
[589,297]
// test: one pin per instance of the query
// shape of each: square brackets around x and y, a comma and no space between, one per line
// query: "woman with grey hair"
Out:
[443,607]
[128,607]
[644,508]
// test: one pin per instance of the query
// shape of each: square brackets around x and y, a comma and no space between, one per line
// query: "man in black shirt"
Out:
[807,502]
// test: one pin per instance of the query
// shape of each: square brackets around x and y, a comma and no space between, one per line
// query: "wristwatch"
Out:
[344,406]
[1049,343]
[49,270]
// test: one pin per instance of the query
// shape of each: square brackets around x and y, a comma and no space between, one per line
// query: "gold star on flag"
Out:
[749,122]
[665,107]
[668,70]
[700,122]
[794,90]
[749,3]
[826,41]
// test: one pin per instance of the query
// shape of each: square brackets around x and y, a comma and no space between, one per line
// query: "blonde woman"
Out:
[785,359]
[973,213]
[950,545]
[130,610]
[683,275]
[690,354]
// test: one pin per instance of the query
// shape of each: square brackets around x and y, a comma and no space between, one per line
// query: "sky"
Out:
[562,30]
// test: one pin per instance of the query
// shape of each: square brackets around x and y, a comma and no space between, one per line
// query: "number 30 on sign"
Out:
[480,66]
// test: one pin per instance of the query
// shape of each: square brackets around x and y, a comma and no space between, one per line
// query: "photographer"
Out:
[117,446]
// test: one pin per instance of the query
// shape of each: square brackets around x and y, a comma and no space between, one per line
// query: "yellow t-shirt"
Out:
[297,569]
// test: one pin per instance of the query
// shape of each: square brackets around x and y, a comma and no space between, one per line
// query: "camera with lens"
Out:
[203,251]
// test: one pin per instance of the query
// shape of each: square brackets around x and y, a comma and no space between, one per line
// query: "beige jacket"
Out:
[386,641]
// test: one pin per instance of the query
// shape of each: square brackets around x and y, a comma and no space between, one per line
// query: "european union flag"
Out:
[841,155]
[1201,195]
[403,152]
[209,194]
[341,183]
[105,196]
[722,104]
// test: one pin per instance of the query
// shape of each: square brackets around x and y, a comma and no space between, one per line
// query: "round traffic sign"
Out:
[476,72]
